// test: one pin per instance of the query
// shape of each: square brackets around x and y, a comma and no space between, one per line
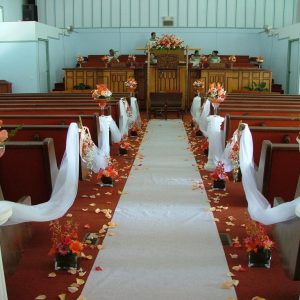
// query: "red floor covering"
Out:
[31,277]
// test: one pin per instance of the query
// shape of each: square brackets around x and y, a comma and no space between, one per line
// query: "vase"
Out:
[106,181]
[261,258]
[219,184]
[123,151]
[66,262]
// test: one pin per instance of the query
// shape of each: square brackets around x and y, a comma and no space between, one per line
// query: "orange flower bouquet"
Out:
[258,245]
[107,175]
[3,138]
[65,244]
[101,95]
[219,176]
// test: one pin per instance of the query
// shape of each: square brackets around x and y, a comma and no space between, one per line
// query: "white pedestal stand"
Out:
[215,149]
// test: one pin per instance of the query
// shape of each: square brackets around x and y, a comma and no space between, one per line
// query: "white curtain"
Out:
[135,112]
[258,206]
[123,117]
[196,108]
[64,191]
[202,121]
[107,124]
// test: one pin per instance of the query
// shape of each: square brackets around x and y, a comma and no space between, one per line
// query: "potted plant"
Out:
[65,245]
[107,175]
[258,245]
[219,176]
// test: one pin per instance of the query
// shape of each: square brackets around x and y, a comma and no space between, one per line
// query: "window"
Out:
[1,14]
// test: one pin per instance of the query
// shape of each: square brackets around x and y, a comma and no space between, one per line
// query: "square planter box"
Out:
[219,184]
[106,181]
[123,151]
[261,258]
[66,262]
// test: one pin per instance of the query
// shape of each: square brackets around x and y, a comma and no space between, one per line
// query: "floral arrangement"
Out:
[131,57]
[80,59]
[260,59]
[101,92]
[169,41]
[257,237]
[109,171]
[64,238]
[219,172]
[216,91]
[203,58]
[131,83]
[232,58]
[3,134]
[198,83]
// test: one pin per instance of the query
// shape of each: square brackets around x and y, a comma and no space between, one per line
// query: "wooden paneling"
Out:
[149,13]
[237,79]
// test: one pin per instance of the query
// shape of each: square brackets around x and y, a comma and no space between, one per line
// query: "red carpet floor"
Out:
[31,277]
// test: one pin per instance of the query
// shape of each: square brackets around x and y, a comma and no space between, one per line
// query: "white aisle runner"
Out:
[166,245]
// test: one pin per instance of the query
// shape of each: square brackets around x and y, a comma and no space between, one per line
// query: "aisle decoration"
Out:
[258,245]
[216,95]
[219,176]
[107,175]
[131,85]
[101,95]
[3,138]
[198,86]
[65,244]
[123,147]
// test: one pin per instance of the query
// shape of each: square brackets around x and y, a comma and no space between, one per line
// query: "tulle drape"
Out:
[258,206]
[202,121]
[64,191]
[196,108]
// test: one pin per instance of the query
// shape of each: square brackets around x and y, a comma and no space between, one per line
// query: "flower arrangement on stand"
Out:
[258,245]
[131,60]
[123,147]
[203,60]
[260,60]
[80,60]
[65,245]
[232,60]
[131,85]
[107,175]
[219,176]
[216,95]
[3,138]
[198,86]
[101,95]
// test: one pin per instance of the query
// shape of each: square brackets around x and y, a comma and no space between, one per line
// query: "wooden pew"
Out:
[13,239]
[287,237]
[278,170]
[231,122]
[262,96]
[91,121]
[28,168]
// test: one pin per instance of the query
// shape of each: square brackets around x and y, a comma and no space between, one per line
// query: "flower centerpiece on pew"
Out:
[131,85]
[198,86]
[101,95]
[216,95]
[3,138]
[219,176]
[258,245]
[65,244]
[107,175]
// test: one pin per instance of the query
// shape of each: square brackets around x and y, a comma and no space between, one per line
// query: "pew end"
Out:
[287,237]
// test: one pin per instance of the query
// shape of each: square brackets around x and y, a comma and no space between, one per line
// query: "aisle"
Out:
[166,245]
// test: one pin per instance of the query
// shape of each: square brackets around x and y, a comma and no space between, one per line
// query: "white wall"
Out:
[149,13]
[12,10]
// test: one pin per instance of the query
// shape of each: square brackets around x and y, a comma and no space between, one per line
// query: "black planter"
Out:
[106,181]
[261,258]
[123,151]
[133,133]
[199,133]
[66,262]
[219,184]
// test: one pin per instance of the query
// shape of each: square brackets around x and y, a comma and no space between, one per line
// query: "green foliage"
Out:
[260,87]
[81,86]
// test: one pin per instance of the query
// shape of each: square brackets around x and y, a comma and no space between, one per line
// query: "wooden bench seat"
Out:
[28,168]
[278,170]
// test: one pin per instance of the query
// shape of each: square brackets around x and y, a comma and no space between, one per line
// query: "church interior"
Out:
[150,149]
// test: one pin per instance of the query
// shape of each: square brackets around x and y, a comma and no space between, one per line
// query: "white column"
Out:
[215,149]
